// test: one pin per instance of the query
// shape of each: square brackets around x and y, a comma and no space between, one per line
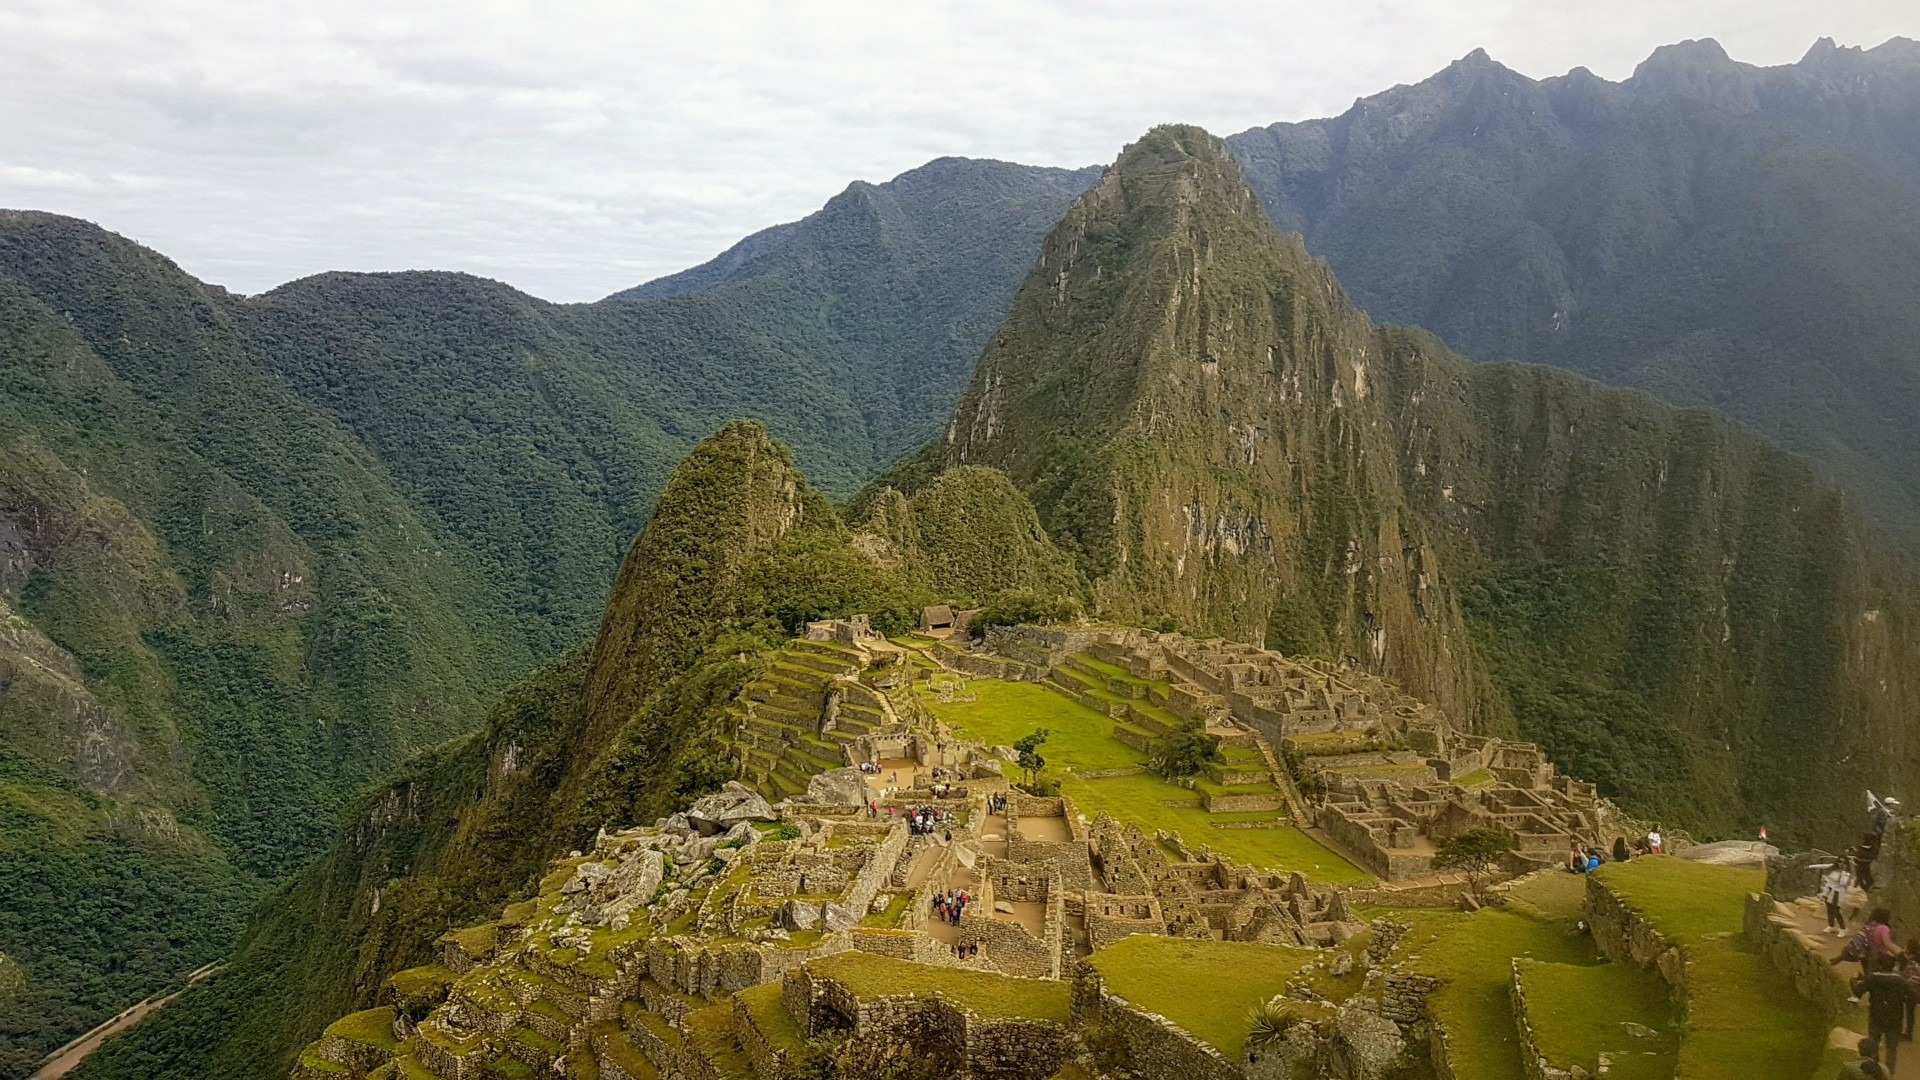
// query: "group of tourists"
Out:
[965,952]
[926,820]
[997,803]
[949,906]
[1889,982]
[1585,858]
[1889,978]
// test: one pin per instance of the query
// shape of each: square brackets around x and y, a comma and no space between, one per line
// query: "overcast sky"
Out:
[573,149]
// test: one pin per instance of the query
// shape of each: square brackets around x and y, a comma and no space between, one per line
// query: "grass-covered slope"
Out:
[1714,233]
[1668,604]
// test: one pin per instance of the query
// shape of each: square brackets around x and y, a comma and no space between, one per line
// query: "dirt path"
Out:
[67,1058]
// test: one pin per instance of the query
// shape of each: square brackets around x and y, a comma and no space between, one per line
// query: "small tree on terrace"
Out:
[1028,747]
[1474,852]
[1182,751]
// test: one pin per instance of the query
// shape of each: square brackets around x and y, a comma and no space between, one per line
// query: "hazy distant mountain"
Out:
[1717,234]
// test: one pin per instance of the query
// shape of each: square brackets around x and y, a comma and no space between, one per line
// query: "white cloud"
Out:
[573,149]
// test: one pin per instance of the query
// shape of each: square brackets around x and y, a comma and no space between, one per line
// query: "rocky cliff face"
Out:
[1714,233]
[1667,604]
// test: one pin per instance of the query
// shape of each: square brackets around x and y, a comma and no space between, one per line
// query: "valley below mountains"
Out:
[318,637]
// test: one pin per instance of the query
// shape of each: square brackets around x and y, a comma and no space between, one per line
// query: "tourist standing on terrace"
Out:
[1864,855]
[1655,843]
[1833,892]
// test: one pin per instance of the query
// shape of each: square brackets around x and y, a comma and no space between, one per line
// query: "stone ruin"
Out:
[660,933]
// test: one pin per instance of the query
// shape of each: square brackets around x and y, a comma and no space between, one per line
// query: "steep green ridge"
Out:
[223,620]
[896,285]
[739,552]
[1714,233]
[260,549]
[1667,604]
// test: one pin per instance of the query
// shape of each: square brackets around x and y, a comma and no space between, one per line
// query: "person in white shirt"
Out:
[1653,840]
[1833,892]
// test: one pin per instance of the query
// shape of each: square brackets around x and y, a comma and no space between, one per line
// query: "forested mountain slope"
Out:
[259,550]
[224,619]
[737,555]
[1666,603]
[1717,234]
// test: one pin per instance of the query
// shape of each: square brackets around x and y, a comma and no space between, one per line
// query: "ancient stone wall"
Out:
[1774,933]
[1149,1044]
[1625,937]
[1898,871]
[875,875]
[986,1049]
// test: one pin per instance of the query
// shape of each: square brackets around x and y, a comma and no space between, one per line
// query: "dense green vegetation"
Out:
[272,545]
[1671,607]
[739,549]
[1720,235]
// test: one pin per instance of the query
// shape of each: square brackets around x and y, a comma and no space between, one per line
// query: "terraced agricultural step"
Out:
[826,665]
[709,1034]
[616,1054]
[832,649]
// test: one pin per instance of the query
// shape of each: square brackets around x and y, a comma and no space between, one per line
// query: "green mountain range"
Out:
[259,550]
[1717,234]
[1182,422]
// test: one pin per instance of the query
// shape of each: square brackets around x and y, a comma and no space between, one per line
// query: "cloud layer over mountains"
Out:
[576,150]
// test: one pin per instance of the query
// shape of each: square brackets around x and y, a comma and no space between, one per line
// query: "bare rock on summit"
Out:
[731,805]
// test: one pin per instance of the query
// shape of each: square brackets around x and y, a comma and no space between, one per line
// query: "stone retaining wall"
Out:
[1535,1063]
[981,1048]
[1773,932]
[1151,1044]
[1624,936]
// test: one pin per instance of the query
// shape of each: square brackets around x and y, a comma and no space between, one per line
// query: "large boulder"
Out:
[1366,1044]
[731,805]
[599,892]
[799,915]
[838,787]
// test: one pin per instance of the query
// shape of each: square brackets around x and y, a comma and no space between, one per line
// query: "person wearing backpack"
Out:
[1872,944]
[1887,997]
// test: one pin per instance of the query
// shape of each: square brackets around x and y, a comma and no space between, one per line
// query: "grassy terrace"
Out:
[1580,1011]
[769,1012]
[1082,741]
[1204,986]
[1743,1021]
[710,1030]
[369,1027]
[870,975]
[1474,956]
[1156,689]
